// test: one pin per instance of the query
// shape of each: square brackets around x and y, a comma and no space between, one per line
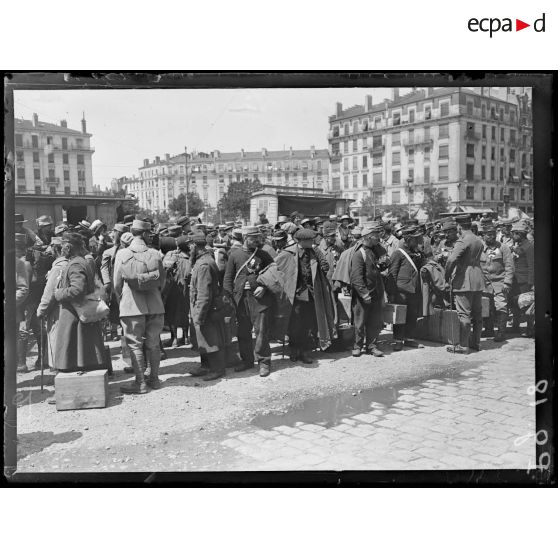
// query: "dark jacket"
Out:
[465,260]
[525,262]
[233,285]
[23,274]
[497,264]
[366,279]
[78,345]
[206,304]
[403,273]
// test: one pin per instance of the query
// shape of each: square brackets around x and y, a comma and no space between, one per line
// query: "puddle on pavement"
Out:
[330,410]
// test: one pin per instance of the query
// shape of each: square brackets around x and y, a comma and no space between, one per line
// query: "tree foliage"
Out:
[195,204]
[434,203]
[236,201]
[376,211]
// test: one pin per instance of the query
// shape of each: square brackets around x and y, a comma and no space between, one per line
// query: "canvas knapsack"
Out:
[141,270]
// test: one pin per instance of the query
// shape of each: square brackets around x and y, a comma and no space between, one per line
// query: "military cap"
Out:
[20,239]
[412,222]
[140,225]
[182,241]
[56,241]
[44,220]
[175,230]
[75,239]
[305,234]
[18,218]
[372,227]
[184,220]
[237,234]
[329,229]
[411,231]
[520,226]
[126,239]
[60,229]
[250,231]
[449,225]
[489,227]
[229,224]
[463,218]
[199,238]
[279,235]
[121,228]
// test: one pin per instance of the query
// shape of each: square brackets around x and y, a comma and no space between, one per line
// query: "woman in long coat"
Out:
[177,301]
[78,346]
[48,307]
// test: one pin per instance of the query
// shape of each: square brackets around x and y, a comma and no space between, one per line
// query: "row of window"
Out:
[52,189]
[51,175]
[397,118]
[36,158]
[49,141]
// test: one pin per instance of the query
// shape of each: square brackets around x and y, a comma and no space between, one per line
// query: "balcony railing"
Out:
[377,148]
[417,142]
[52,180]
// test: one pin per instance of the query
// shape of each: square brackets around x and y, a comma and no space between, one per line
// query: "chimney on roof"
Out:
[216,154]
[430,91]
[264,152]
[35,120]
[368,103]
[291,150]
[167,156]
[83,124]
[157,159]
[312,151]
[338,109]
[145,162]
[395,93]
[63,123]
[242,153]
[386,104]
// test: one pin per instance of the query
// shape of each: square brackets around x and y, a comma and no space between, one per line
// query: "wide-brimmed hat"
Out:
[175,230]
[411,231]
[449,225]
[282,219]
[251,231]
[184,220]
[59,230]
[44,220]
[520,226]
[289,228]
[96,225]
[463,219]
[279,235]
[357,231]
[121,228]
[348,217]
[307,220]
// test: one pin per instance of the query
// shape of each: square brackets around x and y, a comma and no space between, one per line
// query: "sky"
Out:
[128,126]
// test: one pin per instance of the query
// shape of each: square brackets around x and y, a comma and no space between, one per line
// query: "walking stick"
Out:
[42,349]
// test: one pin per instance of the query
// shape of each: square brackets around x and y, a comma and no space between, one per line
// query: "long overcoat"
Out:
[287,264]
[78,346]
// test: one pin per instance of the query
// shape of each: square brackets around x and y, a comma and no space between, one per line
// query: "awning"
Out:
[525,176]
[514,178]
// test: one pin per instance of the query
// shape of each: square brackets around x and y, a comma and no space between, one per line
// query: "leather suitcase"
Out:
[429,327]
[87,390]
[450,328]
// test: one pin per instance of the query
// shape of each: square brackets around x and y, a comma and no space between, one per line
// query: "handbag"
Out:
[91,308]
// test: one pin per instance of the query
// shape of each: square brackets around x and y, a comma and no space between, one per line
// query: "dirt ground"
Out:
[159,430]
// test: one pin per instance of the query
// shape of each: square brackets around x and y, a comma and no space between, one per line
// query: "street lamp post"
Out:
[186,170]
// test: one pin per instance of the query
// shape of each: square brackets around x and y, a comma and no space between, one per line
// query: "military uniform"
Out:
[497,265]
[465,274]
[141,312]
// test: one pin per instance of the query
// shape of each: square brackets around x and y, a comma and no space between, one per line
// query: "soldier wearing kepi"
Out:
[498,268]
[139,278]
[367,292]
[404,268]
[206,306]
[464,273]
[253,302]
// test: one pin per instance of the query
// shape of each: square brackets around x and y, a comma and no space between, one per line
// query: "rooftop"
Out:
[21,124]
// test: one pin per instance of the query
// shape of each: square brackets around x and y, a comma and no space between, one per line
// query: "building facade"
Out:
[209,174]
[53,159]
[54,174]
[473,147]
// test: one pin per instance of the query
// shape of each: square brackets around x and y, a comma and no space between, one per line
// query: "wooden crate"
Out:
[394,313]
[88,390]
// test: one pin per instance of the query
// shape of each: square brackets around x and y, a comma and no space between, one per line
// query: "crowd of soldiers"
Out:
[261,283]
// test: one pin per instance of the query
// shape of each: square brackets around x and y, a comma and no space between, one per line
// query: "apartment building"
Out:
[473,147]
[209,174]
[53,159]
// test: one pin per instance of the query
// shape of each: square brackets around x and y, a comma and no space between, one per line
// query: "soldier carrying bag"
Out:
[141,270]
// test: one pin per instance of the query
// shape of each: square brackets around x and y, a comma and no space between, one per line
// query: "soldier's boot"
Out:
[154,359]
[488,327]
[138,385]
[22,355]
[464,335]
[305,357]
[295,353]
[172,341]
[41,347]
[501,321]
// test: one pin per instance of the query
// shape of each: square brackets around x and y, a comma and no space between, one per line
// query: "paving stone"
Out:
[312,427]
[304,435]
[368,418]
[285,429]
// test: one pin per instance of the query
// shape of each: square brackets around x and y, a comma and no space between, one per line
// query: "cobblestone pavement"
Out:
[476,420]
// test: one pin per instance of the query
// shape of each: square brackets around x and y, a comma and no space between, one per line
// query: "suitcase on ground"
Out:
[87,390]
[346,333]
[450,328]
[429,327]
[345,303]
[394,313]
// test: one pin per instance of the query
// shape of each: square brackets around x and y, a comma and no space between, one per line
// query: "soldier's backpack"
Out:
[141,270]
